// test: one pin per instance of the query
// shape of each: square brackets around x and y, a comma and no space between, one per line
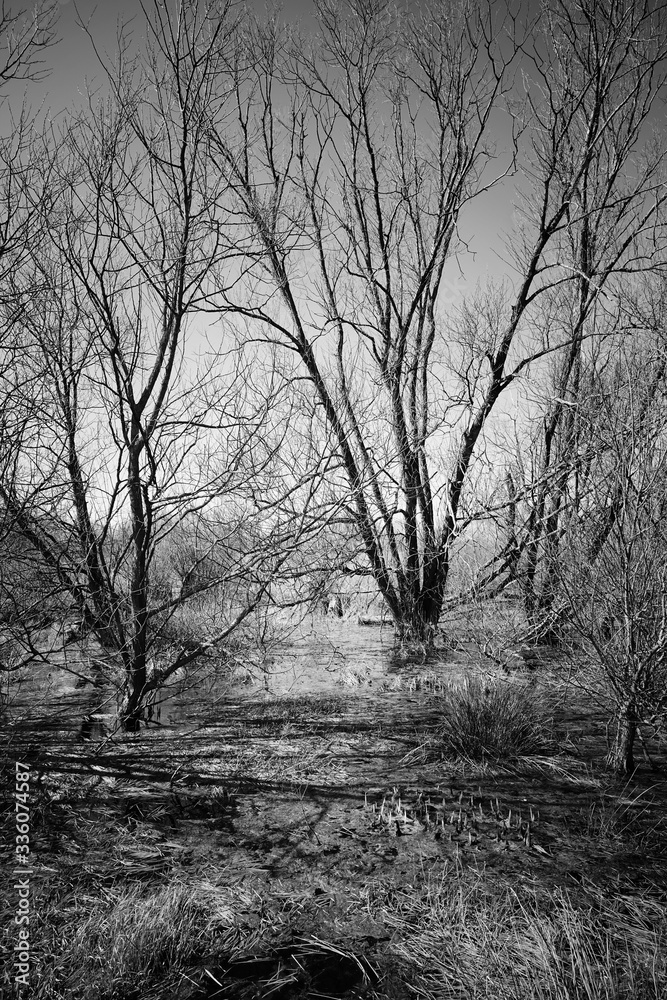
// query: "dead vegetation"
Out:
[320,847]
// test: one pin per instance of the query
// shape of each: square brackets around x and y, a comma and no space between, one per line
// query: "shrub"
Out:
[486,719]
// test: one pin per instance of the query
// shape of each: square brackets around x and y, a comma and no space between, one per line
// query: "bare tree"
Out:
[613,571]
[115,435]
[26,36]
[352,161]
[554,458]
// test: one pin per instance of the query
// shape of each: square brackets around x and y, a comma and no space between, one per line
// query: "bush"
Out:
[487,719]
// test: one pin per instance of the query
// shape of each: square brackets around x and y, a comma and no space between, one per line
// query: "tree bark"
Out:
[621,756]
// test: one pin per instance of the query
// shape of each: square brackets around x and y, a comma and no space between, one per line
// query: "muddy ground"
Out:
[305,806]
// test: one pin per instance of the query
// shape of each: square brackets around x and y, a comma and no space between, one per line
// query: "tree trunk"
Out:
[131,712]
[621,755]
[417,621]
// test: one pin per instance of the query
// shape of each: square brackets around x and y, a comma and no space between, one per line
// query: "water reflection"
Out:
[325,656]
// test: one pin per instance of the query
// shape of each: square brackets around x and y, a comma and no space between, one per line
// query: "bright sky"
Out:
[75,72]
[484,226]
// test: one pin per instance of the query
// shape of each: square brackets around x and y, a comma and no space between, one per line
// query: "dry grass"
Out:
[626,818]
[299,708]
[466,936]
[131,940]
[493,722]
[460,933]
[134,940]
[122,940]
[489,719]
[457,934]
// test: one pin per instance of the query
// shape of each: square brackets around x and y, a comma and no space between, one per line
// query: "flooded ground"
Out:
[301,798]
[323,657]
[317,656]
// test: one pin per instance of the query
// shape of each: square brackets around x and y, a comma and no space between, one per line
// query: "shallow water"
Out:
[324,657]
[330,654]
[321,656]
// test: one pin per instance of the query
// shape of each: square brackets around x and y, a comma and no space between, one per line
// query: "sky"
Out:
[73,60]
[75,71]
[485,227]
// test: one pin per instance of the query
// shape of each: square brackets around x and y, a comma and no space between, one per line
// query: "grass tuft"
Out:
[132,937]
[627,818]
[494,720]
[461,935]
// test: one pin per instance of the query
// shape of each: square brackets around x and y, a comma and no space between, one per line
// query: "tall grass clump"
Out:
[463,935]
[132,938]
[494,720]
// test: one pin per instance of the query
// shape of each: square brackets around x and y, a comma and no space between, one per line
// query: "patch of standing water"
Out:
[327,656]
[321,657]
[332,654]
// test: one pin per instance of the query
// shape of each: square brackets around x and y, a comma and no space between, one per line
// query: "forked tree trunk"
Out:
[417,620]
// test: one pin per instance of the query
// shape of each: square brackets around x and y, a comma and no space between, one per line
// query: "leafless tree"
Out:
[26,35]
[352,161]
[548,469]
[115,437]
[613,567]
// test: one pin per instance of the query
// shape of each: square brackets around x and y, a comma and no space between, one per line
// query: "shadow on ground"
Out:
[304,810]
